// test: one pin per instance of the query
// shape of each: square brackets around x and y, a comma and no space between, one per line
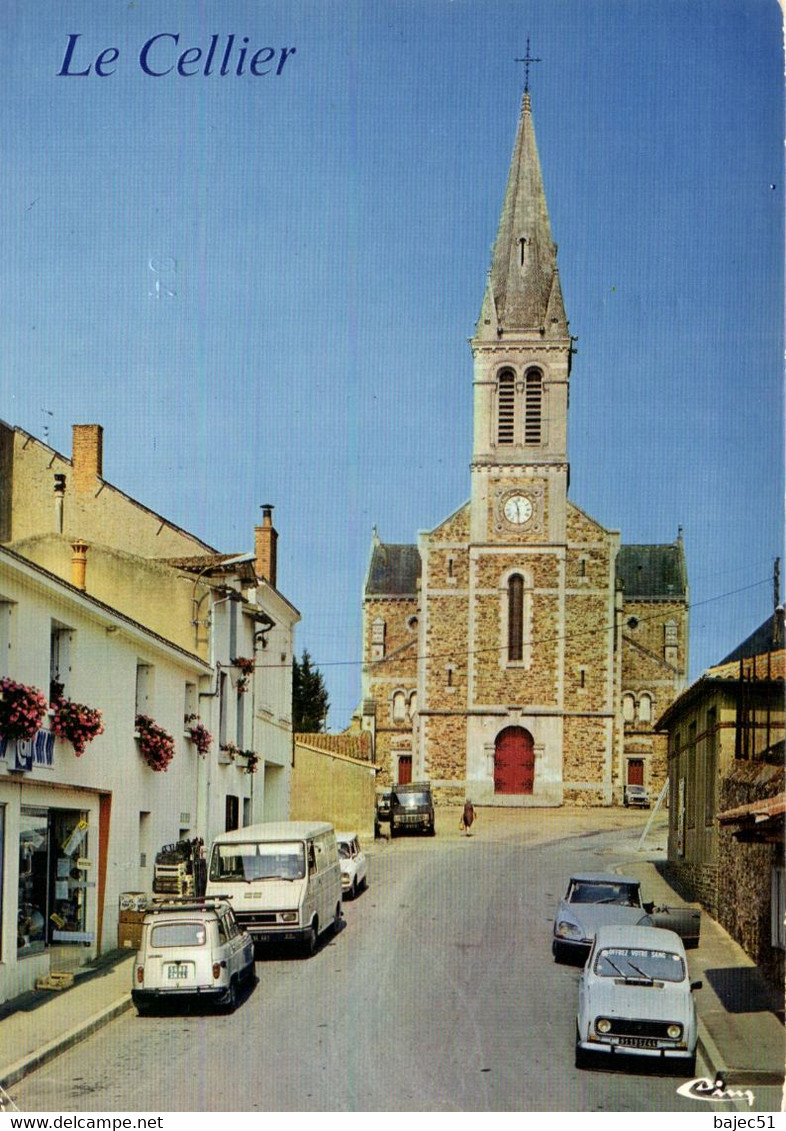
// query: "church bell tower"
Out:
[522,355]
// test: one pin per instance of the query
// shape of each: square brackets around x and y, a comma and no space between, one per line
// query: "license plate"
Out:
[638,1043]
[177,970]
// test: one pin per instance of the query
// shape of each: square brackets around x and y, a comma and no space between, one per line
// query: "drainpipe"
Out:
[60,486]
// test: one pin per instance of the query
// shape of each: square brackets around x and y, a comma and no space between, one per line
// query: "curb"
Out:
[14,1073]
[714,1061]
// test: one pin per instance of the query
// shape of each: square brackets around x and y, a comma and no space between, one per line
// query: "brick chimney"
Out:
[266,538]
[88,455]
[79,564]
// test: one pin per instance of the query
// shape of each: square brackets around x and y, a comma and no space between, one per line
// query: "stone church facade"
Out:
[519,654]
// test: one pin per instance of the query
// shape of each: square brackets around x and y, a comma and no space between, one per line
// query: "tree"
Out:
[310,701]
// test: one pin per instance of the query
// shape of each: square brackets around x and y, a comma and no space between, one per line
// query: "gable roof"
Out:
[394,571]
[766,638]
[653,572]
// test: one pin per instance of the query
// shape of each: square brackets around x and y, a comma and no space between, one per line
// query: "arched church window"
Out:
[399,707]
[506,400]
[645,707]
[533,407]
[516,617]
[628,707]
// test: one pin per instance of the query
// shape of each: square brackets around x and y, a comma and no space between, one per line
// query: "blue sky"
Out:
[326,233]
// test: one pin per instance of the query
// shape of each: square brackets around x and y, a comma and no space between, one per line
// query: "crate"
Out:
[55,980]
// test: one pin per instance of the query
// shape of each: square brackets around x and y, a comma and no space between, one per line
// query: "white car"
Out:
[191,949]
[352,861]
[635,998]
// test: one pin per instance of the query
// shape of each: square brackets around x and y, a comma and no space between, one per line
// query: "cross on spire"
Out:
[526,61]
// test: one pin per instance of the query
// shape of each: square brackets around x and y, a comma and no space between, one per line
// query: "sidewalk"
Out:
[37,1026]
[740,1035]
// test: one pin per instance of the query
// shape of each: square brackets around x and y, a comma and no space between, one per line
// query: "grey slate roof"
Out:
[393,572]
[654,572]
[760,642]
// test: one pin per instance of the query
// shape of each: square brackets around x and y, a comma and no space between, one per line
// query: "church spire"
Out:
[523,291]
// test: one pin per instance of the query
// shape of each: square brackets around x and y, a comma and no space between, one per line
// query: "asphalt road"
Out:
[439,994]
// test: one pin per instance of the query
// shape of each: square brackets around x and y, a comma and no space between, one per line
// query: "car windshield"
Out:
[634,964]
[412,800]
[245,863]
[178,934]
[586,891]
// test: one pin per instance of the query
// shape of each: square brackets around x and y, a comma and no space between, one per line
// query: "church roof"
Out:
[652,573]
[523,290]
[394,571]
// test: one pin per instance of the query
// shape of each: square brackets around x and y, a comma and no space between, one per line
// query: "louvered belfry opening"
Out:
[506,417]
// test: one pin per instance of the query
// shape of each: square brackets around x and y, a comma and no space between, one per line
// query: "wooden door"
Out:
[514,761]
[404,769]
[635,771]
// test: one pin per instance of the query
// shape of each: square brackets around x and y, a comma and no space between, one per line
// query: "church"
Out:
[519,653]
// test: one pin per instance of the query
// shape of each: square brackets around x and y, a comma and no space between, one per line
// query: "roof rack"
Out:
[187,903]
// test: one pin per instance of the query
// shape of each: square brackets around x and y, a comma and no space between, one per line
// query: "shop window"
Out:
[52,889]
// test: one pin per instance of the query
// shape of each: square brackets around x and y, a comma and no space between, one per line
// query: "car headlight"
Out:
[674,1032]
[602,1025]
[289,916]
[568,930]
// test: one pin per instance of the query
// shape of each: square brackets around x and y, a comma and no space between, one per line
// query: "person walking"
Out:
[467,817]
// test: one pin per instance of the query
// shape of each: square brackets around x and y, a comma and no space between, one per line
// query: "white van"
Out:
[283,880]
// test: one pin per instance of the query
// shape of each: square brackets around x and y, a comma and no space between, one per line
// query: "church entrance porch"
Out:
[514,761]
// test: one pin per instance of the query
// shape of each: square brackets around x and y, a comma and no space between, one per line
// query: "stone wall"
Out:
[744,870]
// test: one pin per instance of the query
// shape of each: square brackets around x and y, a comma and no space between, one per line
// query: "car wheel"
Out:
[430,830]
[310,941]
[143,1008]
[364,883]
[229,1000]
[393,830]
[355,888]
[337,919]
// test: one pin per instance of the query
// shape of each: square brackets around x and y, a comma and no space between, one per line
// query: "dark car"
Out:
[412,809]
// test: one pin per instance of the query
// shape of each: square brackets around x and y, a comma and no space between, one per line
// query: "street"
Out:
[439,994]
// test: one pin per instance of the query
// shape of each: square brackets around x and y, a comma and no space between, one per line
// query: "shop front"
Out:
[50,894]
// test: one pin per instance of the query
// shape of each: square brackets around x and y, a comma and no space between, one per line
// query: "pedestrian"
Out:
[467,817]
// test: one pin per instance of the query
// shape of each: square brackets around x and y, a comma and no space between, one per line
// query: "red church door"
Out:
[514,761]
[635,771]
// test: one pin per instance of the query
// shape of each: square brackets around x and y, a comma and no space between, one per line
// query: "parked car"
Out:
[191,949]
[635,998]
[412,809]
[382,813]
[352,861]
[594,899]
[599,899]
[636,796]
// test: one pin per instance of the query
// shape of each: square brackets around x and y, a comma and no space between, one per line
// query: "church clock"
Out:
[518,509]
